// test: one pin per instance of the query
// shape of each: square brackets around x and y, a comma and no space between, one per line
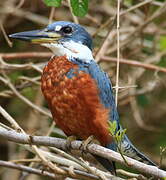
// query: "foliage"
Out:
[118,135]
[79,7]
[142,47]
[162,42]
[162,154]
[53,3]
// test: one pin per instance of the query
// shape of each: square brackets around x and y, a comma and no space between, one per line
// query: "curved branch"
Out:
[135,63]
[42,172]
[93,148]
[43,55]
[26,169]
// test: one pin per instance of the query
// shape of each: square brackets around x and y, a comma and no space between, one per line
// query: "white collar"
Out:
[72,50]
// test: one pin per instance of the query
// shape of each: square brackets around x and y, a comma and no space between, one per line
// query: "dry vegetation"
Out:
[134,38]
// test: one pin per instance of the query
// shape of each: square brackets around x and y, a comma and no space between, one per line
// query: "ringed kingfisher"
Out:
[78,92]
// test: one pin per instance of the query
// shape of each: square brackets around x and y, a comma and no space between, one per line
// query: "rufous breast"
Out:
[74,102]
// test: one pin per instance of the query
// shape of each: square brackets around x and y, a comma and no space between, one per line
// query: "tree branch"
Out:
[135,63]
[42,172]
[26,55]
[26,169]
[7,81]
[94,149]
[43,55]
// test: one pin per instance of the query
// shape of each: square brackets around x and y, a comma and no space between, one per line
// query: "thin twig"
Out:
[79,174]
[5,35]
[44,55]
[104,45]
[52,166]
[135,7]
[121,14]
[6,66]
[131,175]
[26,169]
[136,112]
[85,165]
[26,55]
[118,53]
[51,16]
[66,162]
[39,19]
[93,148]
[27,101]
[20,4]
[138,29]
[135,63]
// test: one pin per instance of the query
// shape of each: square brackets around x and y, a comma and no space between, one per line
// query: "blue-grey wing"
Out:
[107,98]
[105,89]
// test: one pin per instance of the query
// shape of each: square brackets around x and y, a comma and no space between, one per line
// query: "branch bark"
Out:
[43,55]
[42,172]
[93,149]
[26,169]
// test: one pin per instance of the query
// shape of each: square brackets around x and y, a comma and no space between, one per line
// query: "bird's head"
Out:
[63,38]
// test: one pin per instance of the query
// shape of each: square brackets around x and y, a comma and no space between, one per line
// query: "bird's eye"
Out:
[67,29]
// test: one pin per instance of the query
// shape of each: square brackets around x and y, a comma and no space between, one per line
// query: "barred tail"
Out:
[130,150]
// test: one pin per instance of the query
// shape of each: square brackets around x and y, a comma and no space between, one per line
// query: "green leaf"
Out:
[112,127]
[79,7]
[117,135]
[54,3]
[162,42]
[120,135]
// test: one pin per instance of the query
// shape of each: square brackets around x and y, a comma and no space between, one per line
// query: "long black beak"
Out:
[37,36]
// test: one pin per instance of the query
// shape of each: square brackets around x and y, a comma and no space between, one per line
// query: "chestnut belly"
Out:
[74,102]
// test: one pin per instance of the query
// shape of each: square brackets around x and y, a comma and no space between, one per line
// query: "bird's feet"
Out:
[68,142]
[88,141]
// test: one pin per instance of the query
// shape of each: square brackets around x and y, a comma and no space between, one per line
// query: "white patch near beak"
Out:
[71,49]
[58,28]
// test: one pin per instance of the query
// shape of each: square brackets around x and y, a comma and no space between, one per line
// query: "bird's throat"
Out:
[71,50]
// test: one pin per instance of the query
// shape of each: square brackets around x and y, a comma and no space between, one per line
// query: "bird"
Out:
[78,92]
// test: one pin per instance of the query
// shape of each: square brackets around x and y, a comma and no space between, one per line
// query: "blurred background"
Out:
[142,96]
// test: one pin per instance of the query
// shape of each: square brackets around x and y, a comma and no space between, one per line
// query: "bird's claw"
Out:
[68,142]
[88,141]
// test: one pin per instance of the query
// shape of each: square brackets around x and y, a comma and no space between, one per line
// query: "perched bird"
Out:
[78,92]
